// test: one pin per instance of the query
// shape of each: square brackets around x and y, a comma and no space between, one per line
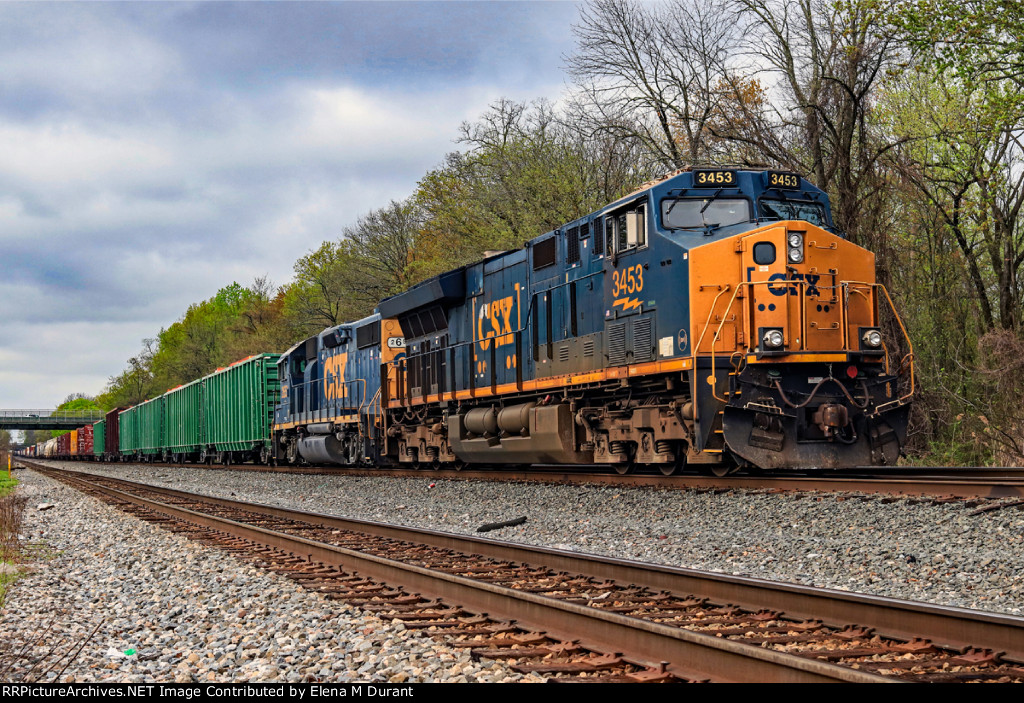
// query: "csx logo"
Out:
[334,376]
[811,278]
[495,321]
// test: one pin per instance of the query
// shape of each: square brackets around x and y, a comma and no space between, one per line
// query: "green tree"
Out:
[526,170]
[317,298]
[979,39]
[75,401]
[380,250]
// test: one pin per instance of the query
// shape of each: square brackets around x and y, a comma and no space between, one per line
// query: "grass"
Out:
[7,485]
[5,581]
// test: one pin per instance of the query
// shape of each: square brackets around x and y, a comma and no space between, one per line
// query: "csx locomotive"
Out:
[714,318]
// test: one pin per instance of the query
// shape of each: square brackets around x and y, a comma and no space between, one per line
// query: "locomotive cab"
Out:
[795,353]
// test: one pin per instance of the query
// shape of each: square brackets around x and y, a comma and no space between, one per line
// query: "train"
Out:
[713,319]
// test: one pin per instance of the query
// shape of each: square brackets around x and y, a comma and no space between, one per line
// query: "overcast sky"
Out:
[152,153]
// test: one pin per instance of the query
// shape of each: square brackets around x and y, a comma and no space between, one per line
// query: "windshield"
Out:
[794,210]
[717,212]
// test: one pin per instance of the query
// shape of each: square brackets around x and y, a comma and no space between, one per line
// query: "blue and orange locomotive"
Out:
[714,317]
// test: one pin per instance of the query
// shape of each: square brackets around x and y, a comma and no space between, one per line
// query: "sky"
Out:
[152,153]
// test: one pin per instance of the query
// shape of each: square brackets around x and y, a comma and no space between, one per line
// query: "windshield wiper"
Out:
[711,200]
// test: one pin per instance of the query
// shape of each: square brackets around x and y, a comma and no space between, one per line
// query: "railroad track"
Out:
[564,614]
[965,483]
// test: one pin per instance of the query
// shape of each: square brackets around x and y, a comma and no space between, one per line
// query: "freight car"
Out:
[223,417]
[713,318]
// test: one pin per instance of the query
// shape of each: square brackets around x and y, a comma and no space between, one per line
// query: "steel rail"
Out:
[688,654]
[951,627]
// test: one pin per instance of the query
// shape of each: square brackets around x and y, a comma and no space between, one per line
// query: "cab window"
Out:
[626,230]
[794,210]
[700,213]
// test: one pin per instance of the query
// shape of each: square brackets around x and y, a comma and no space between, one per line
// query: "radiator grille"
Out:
[572,243]
[617,344]
[643,341]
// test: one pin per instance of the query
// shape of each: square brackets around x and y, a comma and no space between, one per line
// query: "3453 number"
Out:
[628,281]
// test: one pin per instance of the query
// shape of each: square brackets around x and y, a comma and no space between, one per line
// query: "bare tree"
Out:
[653,74]
[823,60]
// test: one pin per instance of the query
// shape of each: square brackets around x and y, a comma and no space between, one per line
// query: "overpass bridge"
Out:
[48,419]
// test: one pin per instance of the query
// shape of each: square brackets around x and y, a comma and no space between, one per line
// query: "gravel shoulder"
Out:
[903,549]
[191,613]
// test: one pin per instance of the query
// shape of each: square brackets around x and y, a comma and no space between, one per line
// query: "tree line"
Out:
[909,113]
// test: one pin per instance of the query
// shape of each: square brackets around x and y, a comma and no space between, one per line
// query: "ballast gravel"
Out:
[907,549]
[938,553]
[140,604]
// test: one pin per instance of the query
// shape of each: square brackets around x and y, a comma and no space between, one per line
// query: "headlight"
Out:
[773,338]
[872,338]
[796,247]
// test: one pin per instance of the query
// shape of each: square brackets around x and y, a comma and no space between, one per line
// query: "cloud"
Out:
[153,153]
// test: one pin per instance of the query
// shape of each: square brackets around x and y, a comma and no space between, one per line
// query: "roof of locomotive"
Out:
[751,183]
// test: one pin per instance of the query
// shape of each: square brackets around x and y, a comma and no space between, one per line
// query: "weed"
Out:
[12,510]
[7,485]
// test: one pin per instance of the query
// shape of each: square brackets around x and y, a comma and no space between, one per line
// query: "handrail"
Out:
[848,288]
[713,379]
[54,414]
[401,365]
[908,358]
[707,323]
[296,391]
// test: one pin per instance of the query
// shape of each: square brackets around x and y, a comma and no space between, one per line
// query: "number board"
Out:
[713,178]
[784,180]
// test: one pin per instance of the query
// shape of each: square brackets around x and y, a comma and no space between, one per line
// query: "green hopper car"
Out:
[238,408]
[183,429]
[99,438]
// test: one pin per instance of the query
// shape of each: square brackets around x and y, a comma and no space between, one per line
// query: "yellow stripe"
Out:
[798,358]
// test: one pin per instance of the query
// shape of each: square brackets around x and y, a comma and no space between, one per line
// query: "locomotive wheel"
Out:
[677,466]
[723,471]
[625,467]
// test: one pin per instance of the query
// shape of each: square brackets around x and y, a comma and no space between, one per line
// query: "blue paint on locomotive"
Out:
[606,290]
[331,376]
